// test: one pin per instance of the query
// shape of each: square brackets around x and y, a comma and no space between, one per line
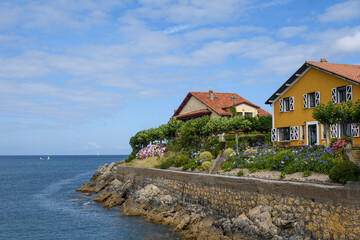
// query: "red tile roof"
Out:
[194,114]
[220,102]
[262,112]
[349,71]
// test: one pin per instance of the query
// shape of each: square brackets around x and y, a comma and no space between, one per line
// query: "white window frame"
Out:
[302,132]
[317,132]
[335,95]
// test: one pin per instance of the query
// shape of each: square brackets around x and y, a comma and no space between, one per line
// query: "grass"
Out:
[150,162]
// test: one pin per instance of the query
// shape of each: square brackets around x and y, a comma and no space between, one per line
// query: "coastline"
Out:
[261,215]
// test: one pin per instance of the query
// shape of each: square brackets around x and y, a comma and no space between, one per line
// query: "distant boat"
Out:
[48,158]
[41,158]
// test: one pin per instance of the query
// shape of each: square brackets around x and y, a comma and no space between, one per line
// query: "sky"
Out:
[83,76]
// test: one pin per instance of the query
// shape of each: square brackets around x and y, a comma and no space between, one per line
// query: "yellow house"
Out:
[312,84]
[215,104]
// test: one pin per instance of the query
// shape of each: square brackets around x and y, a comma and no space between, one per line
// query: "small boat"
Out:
[48,158]
[41,158]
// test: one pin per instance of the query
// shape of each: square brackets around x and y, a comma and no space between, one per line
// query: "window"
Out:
[345,129]
[286,104]
[311,100]
[284,134]
[239,113]
[248,114]
[341,94]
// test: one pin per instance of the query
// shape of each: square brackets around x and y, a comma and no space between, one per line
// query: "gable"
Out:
[347,72]
[193,104]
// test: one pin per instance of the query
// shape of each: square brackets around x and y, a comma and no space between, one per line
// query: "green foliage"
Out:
[230,137]
[206,165]
[240,173]
[130,157]
[173,146]
[231,144]
[307,173]
[167,163]
[227,166]
[232,110]
[282,175]
[253,170]
[206,155]
[181,160]
[192,164]
[327,114]
[345,171]
[228,152]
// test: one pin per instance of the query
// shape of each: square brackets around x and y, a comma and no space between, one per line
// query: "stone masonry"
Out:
[315,210]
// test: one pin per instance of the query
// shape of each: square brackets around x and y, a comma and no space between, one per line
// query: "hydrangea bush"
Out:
[306,158]
[151,151]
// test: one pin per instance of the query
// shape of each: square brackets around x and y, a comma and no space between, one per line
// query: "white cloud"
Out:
[94,145]
[178,28]
[221,32]
[349,44]
[341,12]
[288,32]
[46,15]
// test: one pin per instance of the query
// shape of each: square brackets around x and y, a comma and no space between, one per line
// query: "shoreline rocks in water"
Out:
[192,220]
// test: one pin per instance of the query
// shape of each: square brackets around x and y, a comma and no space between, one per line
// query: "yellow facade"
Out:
[311,81]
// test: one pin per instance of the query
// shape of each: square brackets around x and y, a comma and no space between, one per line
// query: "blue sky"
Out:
[82,77]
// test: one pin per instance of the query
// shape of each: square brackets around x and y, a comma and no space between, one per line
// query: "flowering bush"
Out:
[289,161]
[338,148]
[151,151]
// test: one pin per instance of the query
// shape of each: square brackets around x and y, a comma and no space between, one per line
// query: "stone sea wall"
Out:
[305,210]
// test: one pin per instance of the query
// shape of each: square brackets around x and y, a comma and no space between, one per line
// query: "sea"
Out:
[38,201]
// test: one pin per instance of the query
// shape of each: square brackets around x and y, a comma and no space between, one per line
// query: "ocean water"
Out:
[38,201]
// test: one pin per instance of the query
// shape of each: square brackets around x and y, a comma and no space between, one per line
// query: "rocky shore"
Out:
[192,220]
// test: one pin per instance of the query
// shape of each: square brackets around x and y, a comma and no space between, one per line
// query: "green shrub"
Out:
[181,160]
[240,173]
[345,171]
[230,137]
[227,166]
[282,175]
[205,155]
[206,165]
[307,173]
[130,157]
[228,152]
[167,163]
[230,144]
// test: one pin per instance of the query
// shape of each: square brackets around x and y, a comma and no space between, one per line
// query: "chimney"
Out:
[323,60]
[211,95]
[175,110]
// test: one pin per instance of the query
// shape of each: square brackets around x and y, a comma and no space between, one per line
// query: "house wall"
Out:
[313,80]
[193,104]
[243,108]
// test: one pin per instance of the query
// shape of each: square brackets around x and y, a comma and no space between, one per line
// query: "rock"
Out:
[241,222]
[114,193]
[102,177]
[255,212]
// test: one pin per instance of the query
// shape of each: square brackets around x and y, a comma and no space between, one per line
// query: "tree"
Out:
[238,124]
[232,110]
[327,114]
